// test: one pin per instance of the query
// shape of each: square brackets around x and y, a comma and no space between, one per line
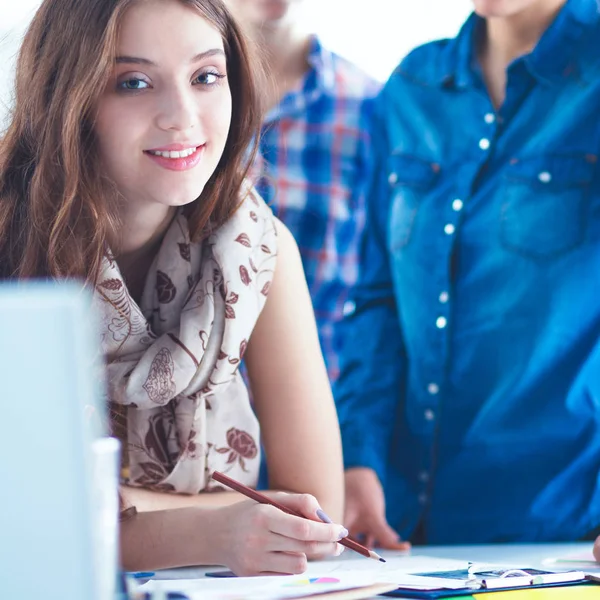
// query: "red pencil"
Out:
[262,499]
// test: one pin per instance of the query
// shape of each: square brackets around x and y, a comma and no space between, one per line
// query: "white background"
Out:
[375,34]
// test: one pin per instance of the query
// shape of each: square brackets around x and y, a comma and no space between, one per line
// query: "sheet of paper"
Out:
[394,570]
[586,556]
[286,588]
[257,588]
[583,561]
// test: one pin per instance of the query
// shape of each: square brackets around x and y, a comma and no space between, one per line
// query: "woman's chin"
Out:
[181,198]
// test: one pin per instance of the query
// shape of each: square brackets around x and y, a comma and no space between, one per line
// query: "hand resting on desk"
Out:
[365,511]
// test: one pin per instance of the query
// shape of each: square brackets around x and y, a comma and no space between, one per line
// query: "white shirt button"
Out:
[441,322]
[449,229]
[489,118]
[349,308]
[422,498]
[484,143]
[457,205]
[444,296]
[433,388]
[545,177]
[393,178]
[429,415]
[423,476]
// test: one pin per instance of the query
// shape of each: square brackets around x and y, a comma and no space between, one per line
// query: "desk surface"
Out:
[526,554]
[532,554]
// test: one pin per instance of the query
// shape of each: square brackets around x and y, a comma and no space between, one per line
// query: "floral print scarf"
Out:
[173,361]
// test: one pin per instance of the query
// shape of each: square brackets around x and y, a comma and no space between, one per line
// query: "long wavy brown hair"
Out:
[57,209]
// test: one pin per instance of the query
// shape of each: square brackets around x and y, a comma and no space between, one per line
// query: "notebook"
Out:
[492,579]
[581,592]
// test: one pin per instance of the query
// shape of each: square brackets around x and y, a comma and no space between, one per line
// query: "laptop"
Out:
[50,421]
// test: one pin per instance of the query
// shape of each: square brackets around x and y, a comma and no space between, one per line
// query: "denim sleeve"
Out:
[369,389]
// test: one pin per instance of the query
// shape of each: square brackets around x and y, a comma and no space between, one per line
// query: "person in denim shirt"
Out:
[470,383]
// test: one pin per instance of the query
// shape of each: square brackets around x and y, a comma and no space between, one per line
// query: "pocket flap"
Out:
[406,169]
[563,170]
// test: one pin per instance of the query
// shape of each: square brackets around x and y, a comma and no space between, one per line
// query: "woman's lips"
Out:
[176,157]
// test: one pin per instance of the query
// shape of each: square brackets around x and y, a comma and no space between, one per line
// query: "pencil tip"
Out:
[381,559]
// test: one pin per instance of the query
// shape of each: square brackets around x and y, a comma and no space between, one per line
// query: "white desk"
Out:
[531,555]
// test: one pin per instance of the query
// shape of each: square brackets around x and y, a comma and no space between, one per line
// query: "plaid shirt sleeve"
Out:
[314,155]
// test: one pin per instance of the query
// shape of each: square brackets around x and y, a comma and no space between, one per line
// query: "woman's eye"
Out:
[133,84]
[208,78]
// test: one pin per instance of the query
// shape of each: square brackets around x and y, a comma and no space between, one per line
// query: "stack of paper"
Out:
[354,578]
[268,588]
[323,577]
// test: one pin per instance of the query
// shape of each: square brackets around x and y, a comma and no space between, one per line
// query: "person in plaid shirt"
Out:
[313,154]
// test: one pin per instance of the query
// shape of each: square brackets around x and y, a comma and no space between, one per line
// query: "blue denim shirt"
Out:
[471,376]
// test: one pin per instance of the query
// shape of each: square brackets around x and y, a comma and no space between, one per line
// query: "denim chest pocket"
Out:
[410,178]
[544,204]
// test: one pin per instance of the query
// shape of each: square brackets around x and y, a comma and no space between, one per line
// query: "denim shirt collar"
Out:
[558,55]
[319,79]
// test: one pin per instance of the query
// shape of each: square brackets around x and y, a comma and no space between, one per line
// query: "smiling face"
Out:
[163,121]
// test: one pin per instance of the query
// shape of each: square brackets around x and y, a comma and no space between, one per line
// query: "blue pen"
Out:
[167,595]
[141,574]
[140,595]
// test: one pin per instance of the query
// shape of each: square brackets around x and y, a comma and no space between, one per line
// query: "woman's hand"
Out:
[365,511]
[259,539]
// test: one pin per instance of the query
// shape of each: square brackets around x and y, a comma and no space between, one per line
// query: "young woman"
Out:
[123,165]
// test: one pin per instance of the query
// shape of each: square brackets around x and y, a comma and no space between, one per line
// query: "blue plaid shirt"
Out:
[313,159]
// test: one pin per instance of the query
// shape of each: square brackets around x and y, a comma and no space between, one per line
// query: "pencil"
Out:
[262,499]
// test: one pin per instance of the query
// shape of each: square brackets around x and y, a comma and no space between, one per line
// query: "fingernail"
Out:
[343,534]
[324,517]
[340,549]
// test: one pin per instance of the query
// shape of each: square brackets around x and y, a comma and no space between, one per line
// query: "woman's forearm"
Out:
[292,396]
[168,538]
[247,537]
[148,500]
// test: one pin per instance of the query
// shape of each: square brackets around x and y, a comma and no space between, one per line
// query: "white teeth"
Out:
[173,153]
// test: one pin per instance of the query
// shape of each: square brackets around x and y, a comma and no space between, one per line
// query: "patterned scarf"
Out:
[173,361]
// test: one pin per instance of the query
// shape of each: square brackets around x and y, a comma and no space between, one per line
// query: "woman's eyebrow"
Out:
[137,60]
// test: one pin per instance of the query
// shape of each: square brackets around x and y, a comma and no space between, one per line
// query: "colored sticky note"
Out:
[583,592]
[313,581]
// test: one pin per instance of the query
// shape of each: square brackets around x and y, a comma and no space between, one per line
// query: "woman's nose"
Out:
[178,111]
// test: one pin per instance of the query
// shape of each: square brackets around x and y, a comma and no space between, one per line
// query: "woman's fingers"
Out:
[305,504]
[302,529]
[312,549]
[285,563]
